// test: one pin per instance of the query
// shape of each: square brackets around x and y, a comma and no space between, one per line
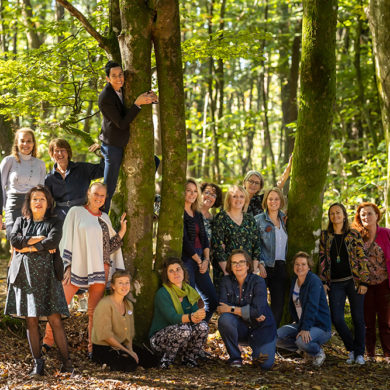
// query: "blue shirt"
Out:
[78,177]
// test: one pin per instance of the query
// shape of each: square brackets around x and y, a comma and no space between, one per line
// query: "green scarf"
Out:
[176,293]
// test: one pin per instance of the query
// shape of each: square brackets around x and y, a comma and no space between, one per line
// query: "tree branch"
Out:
[88,27]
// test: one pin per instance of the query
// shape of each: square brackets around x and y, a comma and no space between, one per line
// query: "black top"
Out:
[116,118]
[256,205]
[339,267]
[189,234]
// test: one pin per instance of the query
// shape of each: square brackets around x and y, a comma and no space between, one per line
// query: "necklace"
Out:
[237,220]
[338,248]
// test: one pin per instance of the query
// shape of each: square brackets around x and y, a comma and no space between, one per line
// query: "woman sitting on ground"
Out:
[34,291]
[178,326]
[91,250]
[245,314]
[113,329]
[310,312]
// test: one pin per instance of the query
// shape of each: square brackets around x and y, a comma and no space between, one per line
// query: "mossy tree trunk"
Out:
[379,19]
[315,115]
[134,26]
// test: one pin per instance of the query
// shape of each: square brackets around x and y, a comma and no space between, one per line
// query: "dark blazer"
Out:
[52,230]
[189,234]
[116,118]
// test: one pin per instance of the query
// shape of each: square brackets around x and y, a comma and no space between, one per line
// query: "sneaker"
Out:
[360,360]
[319,359]
[83,304]
[351,358]
[166,364]
[236,363]
[190,363]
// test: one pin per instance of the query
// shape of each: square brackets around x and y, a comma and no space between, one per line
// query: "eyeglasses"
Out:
[254,182]
[237,263]
[208,193]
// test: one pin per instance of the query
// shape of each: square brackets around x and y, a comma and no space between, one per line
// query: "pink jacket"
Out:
[383,240]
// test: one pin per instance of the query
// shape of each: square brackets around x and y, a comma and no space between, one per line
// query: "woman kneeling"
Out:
[178,326]
[245,314]
[310,311]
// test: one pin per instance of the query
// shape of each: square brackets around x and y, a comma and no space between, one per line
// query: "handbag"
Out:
[58,265]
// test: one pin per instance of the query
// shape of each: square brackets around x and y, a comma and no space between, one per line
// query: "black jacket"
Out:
[189,234]
[116,118]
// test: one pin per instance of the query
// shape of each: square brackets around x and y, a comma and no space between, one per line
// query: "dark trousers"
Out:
[276,282]
[338,293]
[377,303]
[113,156]
[204,286]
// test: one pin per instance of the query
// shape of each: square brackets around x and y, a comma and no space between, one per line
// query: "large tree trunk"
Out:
[379,18]
[316,105]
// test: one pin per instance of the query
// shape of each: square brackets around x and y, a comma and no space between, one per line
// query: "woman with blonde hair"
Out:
[234,229]
[196,249]
[20,172]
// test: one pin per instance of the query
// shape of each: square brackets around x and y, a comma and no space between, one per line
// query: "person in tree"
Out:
[69,181]
[113,330]
[91,250]
[20,172]
[254,183]
[273,249]
[245,314]
[34,292]
[211,197]
[310,312]
[377,300]
[178,327]
[233,228]
[196,251]
[344,273]
[115,132]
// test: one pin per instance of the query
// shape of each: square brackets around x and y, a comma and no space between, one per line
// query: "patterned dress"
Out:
[35,292]
[227,235]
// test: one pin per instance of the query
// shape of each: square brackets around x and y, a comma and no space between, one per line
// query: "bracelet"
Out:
[190,319]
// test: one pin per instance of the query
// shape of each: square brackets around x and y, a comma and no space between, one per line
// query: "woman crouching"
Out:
[245,314]
[178,326]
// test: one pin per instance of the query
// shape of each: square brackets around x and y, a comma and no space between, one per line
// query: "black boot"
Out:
[39,367]
[67,367]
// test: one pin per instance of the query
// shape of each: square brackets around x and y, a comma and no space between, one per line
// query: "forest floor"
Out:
[289,372]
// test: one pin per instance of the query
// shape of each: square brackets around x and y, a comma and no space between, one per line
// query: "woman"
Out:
[234,229]
[69,181]
[377,300]
[309,311]
[196,252]
[20,172]
[245,314]
[273,249]
[113,329]
[178,326]
[33,290]
[211,197]
[344,273]
[254,183]
[91,251]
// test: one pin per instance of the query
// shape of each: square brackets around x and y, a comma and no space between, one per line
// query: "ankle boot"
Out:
[38,368]
[67,366]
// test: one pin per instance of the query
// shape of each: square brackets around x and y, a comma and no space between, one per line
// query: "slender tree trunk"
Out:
[379,19]
[33,38]
[316,106]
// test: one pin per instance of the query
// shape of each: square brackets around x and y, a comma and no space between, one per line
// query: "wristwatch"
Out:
[232,309]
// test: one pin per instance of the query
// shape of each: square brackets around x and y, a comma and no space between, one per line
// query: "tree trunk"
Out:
[316,106]
[379,19]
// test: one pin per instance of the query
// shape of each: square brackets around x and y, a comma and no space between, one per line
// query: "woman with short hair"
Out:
[178,326]
[310,312]
[245,314]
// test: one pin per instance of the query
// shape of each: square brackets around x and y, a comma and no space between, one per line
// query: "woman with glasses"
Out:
[211,197]
[245,314]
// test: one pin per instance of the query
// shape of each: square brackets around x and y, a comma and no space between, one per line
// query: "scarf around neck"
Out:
[176,293]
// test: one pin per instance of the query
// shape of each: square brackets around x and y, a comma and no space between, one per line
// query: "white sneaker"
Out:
[351,358]
[360,360]
[319,358]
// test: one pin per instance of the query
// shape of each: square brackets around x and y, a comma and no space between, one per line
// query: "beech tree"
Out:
[136,28]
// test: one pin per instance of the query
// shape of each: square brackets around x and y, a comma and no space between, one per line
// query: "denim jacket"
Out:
[267,237]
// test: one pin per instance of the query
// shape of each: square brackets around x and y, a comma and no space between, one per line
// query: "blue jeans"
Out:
[203,284]
[113,156]
[233,330]
[338,293]
[287,339]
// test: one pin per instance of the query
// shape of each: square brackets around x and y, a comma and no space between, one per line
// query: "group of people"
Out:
[62,240]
